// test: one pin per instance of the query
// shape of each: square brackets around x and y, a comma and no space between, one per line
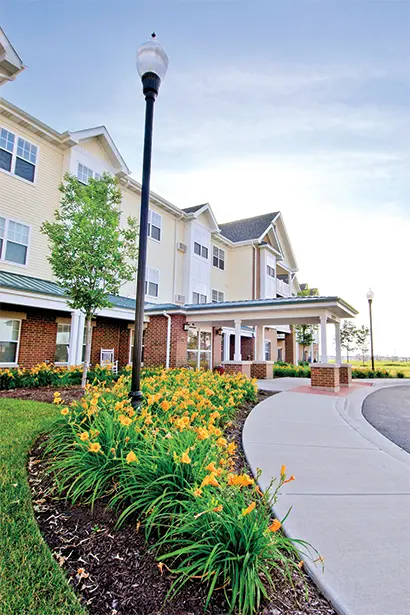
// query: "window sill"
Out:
[24,266]
[153,239]
[7,365]
[26,181]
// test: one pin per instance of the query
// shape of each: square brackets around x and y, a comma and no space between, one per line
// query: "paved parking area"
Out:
[388,410]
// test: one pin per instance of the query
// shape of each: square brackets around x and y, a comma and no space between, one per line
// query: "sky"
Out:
[300,106]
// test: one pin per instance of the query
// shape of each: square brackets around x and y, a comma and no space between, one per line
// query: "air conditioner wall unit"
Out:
[179,298]
[181,246]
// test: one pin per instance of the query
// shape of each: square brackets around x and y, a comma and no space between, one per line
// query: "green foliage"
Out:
[170,468]
[31,582]
[90,255]
[305,335]
[291,371]
[348,338]
[49,375]
[368,373]
[362,340]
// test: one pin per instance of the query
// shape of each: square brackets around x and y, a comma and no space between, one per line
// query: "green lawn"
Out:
[31,583]
[391,366]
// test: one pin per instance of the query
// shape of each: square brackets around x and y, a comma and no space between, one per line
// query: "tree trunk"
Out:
[87,357]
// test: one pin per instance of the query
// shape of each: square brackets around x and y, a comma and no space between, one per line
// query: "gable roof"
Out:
[10,62]
[108,144]
[193,208]
[248,228]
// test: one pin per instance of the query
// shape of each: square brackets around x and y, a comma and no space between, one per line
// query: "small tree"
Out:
[305,336]
[348,338]
[91,256]
[362,339]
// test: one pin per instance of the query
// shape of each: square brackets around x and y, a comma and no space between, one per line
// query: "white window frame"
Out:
[218,296]
[15,364]
[151,215]
[148,280]
[64,324]
[92,173]
[200,297]
[5,239]
[201,250]
[198,349]
[267,349]
[268,269]
[14,157]
[220,259]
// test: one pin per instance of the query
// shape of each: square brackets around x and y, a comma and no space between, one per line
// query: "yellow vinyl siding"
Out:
[240,273]
[94,148]
[34,203]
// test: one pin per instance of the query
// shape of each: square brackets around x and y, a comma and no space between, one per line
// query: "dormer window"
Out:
[84,173]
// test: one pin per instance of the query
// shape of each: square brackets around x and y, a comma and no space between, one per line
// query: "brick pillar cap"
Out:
[327,365]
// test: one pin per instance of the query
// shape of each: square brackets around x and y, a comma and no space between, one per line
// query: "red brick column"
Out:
[179,341]
[262,369]
[290,355]
[345,375]
[38,338]
[240,367]
[325,377]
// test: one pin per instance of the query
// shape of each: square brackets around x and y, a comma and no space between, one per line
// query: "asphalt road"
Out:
[388,410]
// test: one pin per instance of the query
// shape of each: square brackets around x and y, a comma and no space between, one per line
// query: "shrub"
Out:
[400,375]
[291,371]
[170,467]
[368,373]
[47,374]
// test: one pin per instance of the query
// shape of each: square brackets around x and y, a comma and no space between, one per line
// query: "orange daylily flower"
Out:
[211,467]
[198,492]
[300,564]
[231,447]
[218,508]
[221,441]
[84,436]
[131,457]
[203,433]
[124,420]
[283,471]
[258,490]
[210,480]
[249,509]
[165,405]
[95,447]
[65,411]
[289,479]
[185,458]
[275,526]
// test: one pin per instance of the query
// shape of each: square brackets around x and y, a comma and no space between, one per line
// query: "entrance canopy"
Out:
[269,312]
[259,313]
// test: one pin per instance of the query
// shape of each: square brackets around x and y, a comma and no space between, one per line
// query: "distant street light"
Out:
[370,297]
[152,64]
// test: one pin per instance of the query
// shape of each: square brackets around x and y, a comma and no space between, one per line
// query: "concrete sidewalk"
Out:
[351,497]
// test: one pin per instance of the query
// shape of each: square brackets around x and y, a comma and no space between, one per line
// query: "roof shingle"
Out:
[248,228]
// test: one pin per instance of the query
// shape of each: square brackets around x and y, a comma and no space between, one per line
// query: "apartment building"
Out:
[215,293]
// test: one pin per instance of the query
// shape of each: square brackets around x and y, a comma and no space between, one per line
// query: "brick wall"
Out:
[238,368]
[124,345]
[37,338]
[106,334]
[290,354]
[346,375]
[155,347]
[261,370]
[247,348]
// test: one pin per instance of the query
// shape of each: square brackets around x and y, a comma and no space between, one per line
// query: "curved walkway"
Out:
[351,497]
[388,410]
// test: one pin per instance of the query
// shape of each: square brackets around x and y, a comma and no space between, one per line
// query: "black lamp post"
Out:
[370,297]
[152,64]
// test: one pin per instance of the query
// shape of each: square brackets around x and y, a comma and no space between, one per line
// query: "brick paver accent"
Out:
[262,370]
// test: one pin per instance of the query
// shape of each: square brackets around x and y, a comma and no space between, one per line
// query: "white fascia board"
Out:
[134,185]
[101,131]
[296,268]
[206,208]
[10,55]
[266,246]
[32,123]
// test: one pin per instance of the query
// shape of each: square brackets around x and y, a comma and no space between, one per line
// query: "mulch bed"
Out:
[119,573]
[45,394]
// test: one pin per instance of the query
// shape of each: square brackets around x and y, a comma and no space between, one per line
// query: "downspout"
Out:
[168,338]
[255,256]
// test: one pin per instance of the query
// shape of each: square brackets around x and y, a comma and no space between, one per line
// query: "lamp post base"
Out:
[136,398]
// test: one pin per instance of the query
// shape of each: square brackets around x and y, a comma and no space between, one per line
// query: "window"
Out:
[14,238]
[84,173]
[217,296]
[62,343]
[270,271]
[9,339]
[132,345]
[200,250]
[219,258]
[152,282]
[198,298]
[267,350]
[17,156]
[154,225]
[199,349]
